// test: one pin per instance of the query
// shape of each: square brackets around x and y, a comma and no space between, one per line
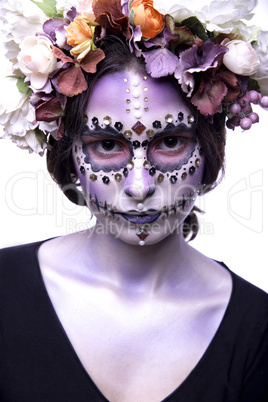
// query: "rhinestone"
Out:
[93,177]
[146,109]
[136,144]
[118,125]
[83,170]
[137,105]
[78,160]
[197,162]
[157,124]
[106,180]
[146,99]
[145,78]
[144,143]
[95,121]
[146,165]
[160,178]
[101,203]
[136,83]
[169,118]
[173,179]
[128,100]
[138,114]
[125,80]
[118,177]
[140,206]
[141,243]
[128,110]
[128,90]
[190,119]
[150,134]
[191,170]
[152,171]
[184,175]
[107,120]
[180,116]
[114,209]
[128,134]
[138,128]
[145,89]
[130,165]
[125,172]
[142,234]
[136,94]
[172,213]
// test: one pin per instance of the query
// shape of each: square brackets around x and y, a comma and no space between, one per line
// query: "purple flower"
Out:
[135,39]
[160,62]
[54,28]
[194,61]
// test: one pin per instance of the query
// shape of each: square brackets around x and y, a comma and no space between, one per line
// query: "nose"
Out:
[139,184]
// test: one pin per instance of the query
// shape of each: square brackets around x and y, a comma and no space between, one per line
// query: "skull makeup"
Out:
[138,159]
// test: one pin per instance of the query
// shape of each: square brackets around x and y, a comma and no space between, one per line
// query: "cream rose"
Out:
[36,60]
[241,59]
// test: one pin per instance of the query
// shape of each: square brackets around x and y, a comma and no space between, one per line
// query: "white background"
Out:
[233,229]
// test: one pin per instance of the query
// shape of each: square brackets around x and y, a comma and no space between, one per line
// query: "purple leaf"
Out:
[209,103]
[160,62]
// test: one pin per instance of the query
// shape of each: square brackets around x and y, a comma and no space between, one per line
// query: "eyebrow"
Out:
[171,129]
[99,132]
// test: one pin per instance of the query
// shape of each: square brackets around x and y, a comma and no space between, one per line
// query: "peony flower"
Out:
[80,36]
[36,60]
[241,59]
[215,15]
[30,142]
[261,74]
[143,13]
[85,9]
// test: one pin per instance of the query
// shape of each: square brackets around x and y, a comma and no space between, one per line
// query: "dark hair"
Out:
[118,58]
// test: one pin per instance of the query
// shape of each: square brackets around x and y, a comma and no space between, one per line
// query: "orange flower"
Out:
[80,36]
[150,20]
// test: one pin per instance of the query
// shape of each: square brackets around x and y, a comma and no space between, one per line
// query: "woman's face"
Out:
[138,159]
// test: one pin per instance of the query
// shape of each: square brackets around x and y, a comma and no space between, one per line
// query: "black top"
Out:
[39,364]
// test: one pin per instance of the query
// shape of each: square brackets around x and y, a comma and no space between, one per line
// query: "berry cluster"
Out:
[241,111]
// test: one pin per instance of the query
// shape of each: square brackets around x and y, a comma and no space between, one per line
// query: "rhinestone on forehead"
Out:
[138,128]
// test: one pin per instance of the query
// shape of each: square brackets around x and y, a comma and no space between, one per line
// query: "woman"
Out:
[128,311]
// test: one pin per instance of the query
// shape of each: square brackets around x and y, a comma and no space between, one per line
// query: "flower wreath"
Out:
[218,61]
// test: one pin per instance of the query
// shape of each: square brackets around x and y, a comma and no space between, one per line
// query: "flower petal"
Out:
[89,63]
[72,81]
[209,102]
[160,62]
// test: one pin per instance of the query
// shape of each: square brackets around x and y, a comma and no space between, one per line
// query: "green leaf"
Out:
[253,85]
[195,26]
[40,136]
[23,86]
[48,7]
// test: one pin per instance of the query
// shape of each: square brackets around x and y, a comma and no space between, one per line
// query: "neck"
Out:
[135,268]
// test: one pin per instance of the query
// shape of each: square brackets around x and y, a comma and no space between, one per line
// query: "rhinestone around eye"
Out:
[184,175]
[160,178]
[150,134]
[95,121]
[173,179]
[138,127]
[157,124]
[118,177]
[118,125]
[144,143]
[152,171]
[130,165]
[191,170]
[83,170]
[180,116]
[136,144]
[107,120]
[128,134]
[169,118]
[197,162]
[93,177]
[125,172]
[190,119]
[106,180]
[78,160]
[146,165]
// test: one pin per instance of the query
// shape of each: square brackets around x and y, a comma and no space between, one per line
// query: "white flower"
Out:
[218,15]
[241,59]
[66,5]
[30,142]
[36,60]
[261,74]
[20,18]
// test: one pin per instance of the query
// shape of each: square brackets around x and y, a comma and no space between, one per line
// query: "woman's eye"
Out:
[108,145]
[170,142]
